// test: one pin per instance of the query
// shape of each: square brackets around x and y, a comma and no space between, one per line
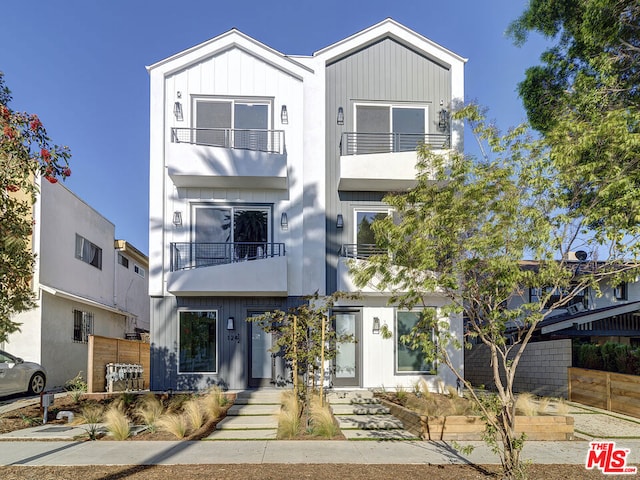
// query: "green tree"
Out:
[594,66]
[26,153]
[584,99]
[302,340]
[482,232]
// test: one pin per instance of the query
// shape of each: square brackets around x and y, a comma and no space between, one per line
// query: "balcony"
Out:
[227,158]
[383,161]
[241,268]
[356,253]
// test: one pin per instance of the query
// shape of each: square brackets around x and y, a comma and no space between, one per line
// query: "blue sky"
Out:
[80,65]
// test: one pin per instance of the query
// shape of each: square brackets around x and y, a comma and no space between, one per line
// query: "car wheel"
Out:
[37,383]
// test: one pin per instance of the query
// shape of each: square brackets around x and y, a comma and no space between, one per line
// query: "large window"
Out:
[409,360]
[230,233]
[233,123]
[581,299]
[198,342]
[82,326]
[390,128]
[365,242]
[88,252]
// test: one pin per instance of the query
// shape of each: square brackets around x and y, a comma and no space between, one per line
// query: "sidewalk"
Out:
[56,453]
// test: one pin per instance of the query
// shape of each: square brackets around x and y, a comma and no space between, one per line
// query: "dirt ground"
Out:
[293,471]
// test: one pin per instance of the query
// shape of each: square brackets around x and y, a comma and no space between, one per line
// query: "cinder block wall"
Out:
[542,369]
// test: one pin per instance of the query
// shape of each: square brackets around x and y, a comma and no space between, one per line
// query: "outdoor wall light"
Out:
[339,221]
[340,119]
[177,218]
[443,120]
[177,111]
[230,325]
[284,221]
[284,116]
[376,325]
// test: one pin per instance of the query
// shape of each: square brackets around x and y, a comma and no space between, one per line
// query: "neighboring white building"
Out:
[265,170]
[85,281]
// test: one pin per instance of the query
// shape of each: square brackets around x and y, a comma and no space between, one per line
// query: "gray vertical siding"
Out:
[233,347]
[385,71]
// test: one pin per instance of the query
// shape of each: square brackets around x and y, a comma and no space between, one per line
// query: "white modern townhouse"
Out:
[86,283]
[266,171]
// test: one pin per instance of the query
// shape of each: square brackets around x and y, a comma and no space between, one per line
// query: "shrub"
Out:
[117,423]
[194,413]
[149,410]
[214,402]
[289,416]
[77,386]
[589,356]
[174,423]
[323,424]
[90,414]
[608,353]
[525,405]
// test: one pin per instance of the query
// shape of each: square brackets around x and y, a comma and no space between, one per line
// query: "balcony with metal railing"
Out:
[227,157]
[351,254]
[383,161]
[227,268]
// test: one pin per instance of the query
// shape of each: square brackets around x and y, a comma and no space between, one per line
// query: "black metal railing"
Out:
[268,141]
[188,255]
[355,143]
[360,251]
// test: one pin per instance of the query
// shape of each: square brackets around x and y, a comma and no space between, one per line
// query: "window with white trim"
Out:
[82,326]
[139,270]
[198,341]
[88,252]
[409,360]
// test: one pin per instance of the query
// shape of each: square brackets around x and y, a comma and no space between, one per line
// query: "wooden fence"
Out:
[610,391]
[104,350]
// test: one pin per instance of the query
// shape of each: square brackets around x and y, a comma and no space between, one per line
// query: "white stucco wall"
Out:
[63,215]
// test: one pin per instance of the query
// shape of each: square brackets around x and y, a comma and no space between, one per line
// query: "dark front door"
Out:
[261,359]
[347,368]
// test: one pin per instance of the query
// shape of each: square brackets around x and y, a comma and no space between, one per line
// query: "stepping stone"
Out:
[397,435]
[253,409]
[248,422]
[369,422]
[243,435]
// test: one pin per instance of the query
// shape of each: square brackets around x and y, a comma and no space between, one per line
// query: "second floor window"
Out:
[88,252]
[233,123]
[122,260]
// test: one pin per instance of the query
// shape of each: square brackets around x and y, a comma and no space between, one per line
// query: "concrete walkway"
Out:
[284,451]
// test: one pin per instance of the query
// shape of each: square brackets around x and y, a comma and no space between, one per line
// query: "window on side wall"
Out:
[198,341]
[122,260]
[82,326]
[620,291]
[139,270]
[88,252]
[409,360]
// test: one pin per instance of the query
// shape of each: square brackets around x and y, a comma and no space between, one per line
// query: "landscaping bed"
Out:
[170,407]
[449,417]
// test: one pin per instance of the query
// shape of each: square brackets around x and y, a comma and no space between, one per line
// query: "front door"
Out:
[346,371]
[261,359]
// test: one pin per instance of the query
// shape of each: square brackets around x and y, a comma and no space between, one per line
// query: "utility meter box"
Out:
[47,399]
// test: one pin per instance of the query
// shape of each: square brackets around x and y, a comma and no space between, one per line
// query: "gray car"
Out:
[18,376]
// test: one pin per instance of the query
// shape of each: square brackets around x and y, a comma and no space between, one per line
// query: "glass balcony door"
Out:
[229,234]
